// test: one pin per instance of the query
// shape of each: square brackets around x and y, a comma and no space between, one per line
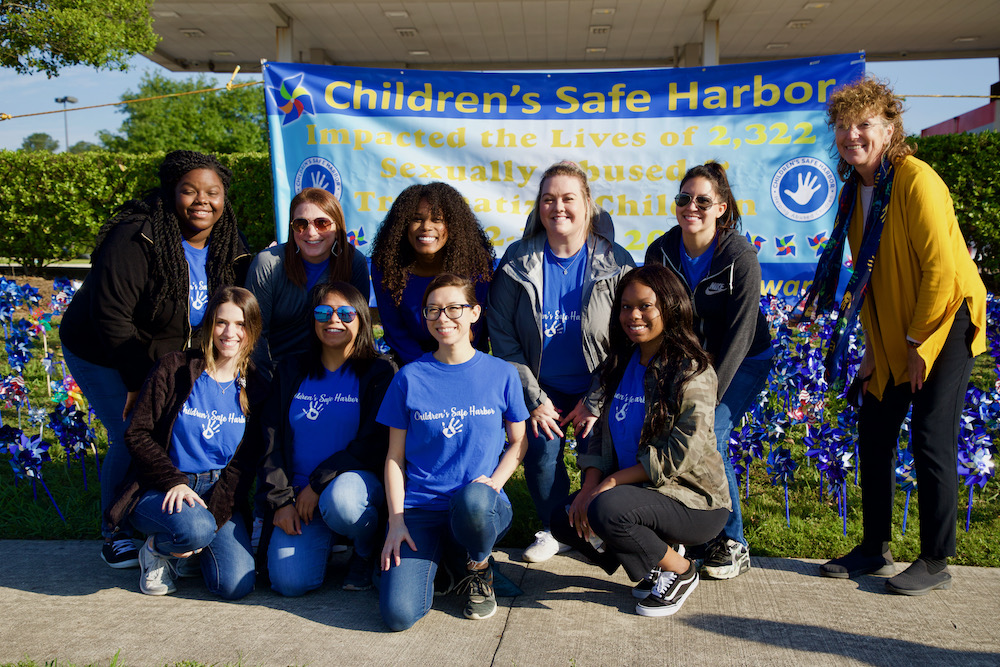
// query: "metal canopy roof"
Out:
[489,35]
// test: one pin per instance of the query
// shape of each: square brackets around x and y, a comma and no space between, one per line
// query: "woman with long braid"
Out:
[154,265]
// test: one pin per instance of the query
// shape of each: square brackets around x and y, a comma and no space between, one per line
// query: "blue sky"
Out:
[31,94]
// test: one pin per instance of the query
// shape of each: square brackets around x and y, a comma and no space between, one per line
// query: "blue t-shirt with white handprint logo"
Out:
[209,426]
[563,366]
[628,412]
[197,258]
[324,417]
[453,417]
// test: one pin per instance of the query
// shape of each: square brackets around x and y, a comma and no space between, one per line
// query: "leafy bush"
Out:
[970,165]
[51,206]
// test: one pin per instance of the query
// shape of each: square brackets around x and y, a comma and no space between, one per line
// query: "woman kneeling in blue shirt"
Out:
[447,466]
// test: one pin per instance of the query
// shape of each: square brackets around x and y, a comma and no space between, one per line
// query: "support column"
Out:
[710,43]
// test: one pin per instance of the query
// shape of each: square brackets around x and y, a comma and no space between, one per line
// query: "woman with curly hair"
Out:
[281,276]
[653,479]
[153,267]
[429,230]
[922,307]
[548,315]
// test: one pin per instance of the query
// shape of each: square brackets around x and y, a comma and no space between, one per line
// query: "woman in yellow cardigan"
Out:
[922,306]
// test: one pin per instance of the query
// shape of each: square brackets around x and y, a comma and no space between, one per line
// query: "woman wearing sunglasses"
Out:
[447,465]
[322,473]
[719,268]
[281,276]
[429,230]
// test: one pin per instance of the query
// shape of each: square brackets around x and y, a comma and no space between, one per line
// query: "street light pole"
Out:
[64,101]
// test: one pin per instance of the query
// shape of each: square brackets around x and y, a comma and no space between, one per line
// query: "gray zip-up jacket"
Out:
[514,306]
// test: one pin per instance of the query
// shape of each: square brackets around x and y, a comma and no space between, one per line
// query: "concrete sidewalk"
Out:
[61,602]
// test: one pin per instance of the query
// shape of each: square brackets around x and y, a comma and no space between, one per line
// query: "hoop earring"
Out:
[335,248]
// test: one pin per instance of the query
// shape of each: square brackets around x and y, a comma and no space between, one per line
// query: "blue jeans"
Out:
[476,518]
[746,385]
[348,506]
[544,469]
[106,392]
[227,563]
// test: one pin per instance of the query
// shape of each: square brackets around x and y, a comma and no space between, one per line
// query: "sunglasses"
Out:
[321,224]
[454,311]
[345,314]
[704,202]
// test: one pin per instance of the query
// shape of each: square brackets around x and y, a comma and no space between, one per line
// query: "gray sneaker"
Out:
[482,602]
[157,574]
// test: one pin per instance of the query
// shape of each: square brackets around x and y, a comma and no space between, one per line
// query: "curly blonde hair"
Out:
[863,99]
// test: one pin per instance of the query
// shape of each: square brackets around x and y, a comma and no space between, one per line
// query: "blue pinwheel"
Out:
[907,480]
[781,466]
[975,458]
[27,454]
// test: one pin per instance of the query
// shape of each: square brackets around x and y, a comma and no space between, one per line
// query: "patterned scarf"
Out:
[823,292]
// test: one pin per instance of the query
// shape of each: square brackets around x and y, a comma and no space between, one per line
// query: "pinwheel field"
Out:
[795,453]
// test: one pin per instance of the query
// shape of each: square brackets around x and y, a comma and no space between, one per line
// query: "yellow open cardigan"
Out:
[922,274]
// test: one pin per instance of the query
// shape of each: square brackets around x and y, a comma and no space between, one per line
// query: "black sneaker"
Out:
[359,574]
[645,587]
[669,593]
[726,559]
[120,553]
[917,580]
[857,563]
[482,602]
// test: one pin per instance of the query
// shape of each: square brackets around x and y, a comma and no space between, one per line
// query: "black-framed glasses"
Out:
[454,311]
[321,224]
[345,314]
[704,202]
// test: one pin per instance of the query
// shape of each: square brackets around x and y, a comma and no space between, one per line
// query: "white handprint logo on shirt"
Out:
[620,412]
[808,185]
[557,327]
[453,427]
[199,295]
[312,412]
[212,426]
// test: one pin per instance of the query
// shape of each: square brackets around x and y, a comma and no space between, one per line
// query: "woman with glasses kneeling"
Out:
[447,466]
[281,276]
[322,474]
[653,479]
[195,442]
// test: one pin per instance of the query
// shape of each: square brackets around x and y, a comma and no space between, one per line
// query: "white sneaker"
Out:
[156,576]
[544,547]
[726,559]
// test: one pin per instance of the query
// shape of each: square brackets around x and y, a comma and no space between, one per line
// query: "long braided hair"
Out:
[168,266]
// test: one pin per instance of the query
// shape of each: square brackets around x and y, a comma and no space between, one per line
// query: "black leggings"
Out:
[637,525]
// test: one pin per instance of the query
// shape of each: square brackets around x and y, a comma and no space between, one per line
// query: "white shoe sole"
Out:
[668,610]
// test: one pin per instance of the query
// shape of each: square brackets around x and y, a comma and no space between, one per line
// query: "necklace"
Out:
[225,388]
[570,260]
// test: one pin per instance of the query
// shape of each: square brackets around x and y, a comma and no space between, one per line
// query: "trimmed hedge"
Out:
[51,206]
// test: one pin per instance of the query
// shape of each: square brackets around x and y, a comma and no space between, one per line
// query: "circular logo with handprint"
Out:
[803,189]
[317,172]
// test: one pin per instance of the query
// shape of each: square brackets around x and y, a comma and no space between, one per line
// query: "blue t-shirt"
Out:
[208,428]
[696,268]
[404,325]
[563,366]
[196,258]
[314,272]
[628,412]
[453,416]
[324,417]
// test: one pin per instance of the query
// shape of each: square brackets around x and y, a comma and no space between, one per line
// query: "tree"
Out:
[39,142]
[46,35]
[83,147]
[217,122]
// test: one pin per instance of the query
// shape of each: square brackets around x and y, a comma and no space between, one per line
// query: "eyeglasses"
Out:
[321,224]
[454,311]
[683,200]
[345,314]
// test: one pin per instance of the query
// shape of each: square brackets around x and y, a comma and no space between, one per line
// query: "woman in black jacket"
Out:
[322,473]
[194,442]
[719,267]
[153,267]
